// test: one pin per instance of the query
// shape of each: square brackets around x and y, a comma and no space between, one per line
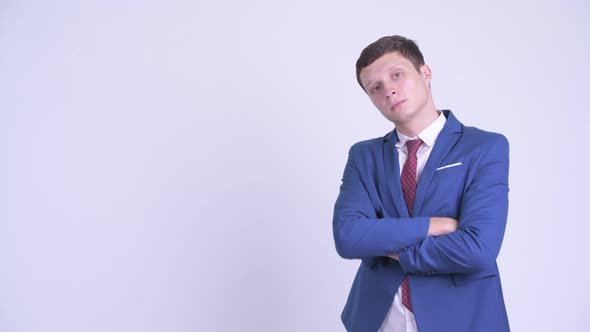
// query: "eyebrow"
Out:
[394,67]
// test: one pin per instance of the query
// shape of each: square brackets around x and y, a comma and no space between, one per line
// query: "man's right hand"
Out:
[442,226]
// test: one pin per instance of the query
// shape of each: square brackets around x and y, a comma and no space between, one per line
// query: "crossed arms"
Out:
[434,244]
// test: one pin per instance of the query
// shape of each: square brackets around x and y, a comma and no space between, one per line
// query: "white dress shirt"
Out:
[399,318]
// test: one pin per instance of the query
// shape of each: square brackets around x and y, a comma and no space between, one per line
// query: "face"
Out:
[398,90]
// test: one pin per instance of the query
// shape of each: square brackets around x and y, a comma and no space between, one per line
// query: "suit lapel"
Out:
[444,143]
[392,174]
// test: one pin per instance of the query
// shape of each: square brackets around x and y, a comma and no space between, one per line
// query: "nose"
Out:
[390,91]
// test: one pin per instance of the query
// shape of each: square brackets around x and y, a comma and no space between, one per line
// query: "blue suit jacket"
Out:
[454,280]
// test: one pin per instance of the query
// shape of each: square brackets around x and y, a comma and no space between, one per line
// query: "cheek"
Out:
[377,102]
[421,88]
[410,86]
[415,89]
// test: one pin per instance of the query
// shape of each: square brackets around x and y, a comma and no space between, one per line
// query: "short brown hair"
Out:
[385,45]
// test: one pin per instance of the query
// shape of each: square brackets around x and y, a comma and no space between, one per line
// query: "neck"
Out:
[417,124]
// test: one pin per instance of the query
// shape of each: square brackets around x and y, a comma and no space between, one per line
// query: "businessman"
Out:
[424,208]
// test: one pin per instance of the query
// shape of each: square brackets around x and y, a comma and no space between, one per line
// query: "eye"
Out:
[375,89]
[397,75]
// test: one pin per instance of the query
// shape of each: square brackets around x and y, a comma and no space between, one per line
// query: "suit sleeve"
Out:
[358,232]
[475,245]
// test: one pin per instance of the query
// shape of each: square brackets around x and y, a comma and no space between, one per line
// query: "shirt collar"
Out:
[428,135]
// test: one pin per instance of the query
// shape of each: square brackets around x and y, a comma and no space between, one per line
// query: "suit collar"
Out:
[452,125]
[445,141]
[428,135]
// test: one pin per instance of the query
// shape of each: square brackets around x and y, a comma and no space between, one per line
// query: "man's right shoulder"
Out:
[369,144]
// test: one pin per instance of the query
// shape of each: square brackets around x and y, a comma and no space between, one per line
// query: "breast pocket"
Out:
[450,170]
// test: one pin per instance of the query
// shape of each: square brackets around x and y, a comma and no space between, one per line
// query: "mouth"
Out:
[397,104]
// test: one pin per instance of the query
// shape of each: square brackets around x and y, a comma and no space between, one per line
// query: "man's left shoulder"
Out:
[483,137]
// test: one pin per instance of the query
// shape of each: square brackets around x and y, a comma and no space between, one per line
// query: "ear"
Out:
[426,73]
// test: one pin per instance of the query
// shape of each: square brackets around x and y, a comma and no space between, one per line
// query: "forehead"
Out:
[384,64]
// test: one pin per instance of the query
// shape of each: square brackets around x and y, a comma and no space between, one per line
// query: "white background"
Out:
[173,165]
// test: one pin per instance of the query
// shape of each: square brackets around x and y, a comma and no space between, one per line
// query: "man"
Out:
[424,208]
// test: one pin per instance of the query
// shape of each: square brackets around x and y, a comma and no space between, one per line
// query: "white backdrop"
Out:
[173,165]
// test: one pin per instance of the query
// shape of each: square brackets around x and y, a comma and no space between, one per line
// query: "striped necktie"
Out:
[408,181]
